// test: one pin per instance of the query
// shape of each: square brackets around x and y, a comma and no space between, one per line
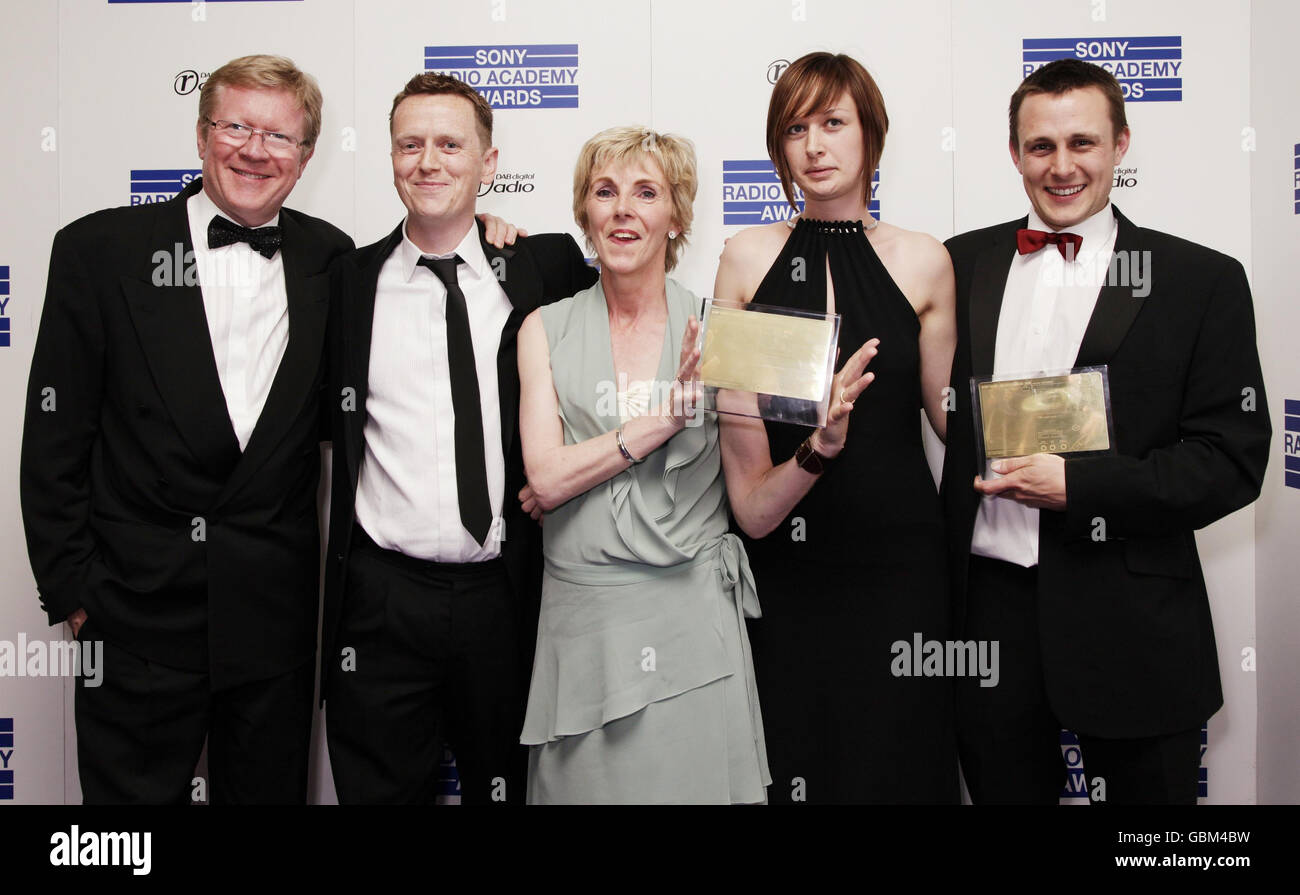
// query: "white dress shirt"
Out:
[248,315]
[1046,307]
[406,494]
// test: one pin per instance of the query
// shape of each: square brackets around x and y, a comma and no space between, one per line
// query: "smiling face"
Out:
[439,161]
[824,150]
[246,181]
[629,213]
[1067,154]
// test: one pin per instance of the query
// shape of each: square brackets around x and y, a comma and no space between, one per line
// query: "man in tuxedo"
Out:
[170,457]
[433,570]
[1084,568]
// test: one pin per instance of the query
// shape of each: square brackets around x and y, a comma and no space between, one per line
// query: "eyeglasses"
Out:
[237,134]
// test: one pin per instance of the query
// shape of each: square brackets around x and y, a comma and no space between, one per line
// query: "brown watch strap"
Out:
[808,459]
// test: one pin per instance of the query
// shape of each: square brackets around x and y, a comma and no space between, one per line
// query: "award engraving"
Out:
[1057,414]
[769,362]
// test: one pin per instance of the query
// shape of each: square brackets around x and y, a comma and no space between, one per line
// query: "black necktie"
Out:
[471,468]
[264,240]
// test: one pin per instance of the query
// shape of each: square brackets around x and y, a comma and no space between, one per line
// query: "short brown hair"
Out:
[675,157]
[1062,76]
[431,83]
[271,72]
[812,83]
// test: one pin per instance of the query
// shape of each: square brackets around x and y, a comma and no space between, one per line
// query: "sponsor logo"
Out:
[509,182]
[776,68]
[159,184]
[1125,178]
[5,323]
[1291,444]
[752,194]
[186,82]
[1149,69]
[514,76]
[6,753]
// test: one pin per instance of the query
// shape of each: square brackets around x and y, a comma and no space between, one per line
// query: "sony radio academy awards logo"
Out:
[1149,69]
[752,194]
[6,753]
[1078,784]
[514,76]
[5,325]
[1291,444]
[150,185]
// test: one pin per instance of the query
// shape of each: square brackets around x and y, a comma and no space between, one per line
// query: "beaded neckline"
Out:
[834,227]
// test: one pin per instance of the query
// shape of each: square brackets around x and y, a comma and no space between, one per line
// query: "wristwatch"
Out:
[808,459]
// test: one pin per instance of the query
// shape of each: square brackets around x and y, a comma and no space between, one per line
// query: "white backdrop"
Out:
[107,89]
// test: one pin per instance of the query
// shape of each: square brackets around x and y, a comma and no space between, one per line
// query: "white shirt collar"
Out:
[203,209]
[469,249]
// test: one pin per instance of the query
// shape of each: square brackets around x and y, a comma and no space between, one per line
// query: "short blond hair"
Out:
[270,72]
[675,157]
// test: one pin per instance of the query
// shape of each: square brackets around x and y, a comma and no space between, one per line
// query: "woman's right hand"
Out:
[849,383]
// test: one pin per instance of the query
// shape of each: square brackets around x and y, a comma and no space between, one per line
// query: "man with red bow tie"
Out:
[1084,568]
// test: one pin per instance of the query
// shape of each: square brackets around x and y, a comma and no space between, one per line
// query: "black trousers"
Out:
[434,656]
[141,730]
[1008,735]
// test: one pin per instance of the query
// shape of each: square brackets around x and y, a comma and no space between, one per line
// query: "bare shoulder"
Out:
[916,261]
[746,258]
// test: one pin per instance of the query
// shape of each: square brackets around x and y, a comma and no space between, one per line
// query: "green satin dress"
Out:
[643,686]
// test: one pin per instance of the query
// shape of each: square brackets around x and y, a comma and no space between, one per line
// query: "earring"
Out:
[672,234]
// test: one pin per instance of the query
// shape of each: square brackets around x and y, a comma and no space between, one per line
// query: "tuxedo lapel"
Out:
[357,293]
[522,284]
[1117,305]
[988,283]
[174,338]
[308,300]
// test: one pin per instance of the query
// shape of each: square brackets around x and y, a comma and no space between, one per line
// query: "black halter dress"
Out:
[859,565]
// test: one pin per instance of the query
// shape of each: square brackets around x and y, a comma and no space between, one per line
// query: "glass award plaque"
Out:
[768,362]
[1065,412]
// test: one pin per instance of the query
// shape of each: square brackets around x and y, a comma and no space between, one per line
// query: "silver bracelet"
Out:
[622,448]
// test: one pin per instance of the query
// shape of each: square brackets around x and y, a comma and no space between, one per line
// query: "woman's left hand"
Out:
[531,506]
[849,383]
[685,392]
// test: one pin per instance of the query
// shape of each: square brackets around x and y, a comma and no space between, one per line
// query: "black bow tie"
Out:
[264,240]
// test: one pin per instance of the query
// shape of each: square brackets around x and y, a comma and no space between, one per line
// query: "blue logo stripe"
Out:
[1130,54]
[1293,479]
[6,740]
[4,272]
[469,50]
[1040,43]
[1292,463]
[761,164]
[7,777]
[7,725]
[1291,406]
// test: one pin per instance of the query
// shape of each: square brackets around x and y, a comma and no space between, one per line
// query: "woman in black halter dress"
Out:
[855,572]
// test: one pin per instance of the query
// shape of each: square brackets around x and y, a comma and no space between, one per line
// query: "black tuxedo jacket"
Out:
[1127,643]
[138,504]
[534,271]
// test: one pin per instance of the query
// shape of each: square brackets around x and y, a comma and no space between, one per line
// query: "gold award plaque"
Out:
[767,353]
[1048,414]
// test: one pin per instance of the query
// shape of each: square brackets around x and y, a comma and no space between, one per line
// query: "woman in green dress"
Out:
[643,688]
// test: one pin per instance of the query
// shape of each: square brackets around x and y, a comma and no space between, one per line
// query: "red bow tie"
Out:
[1032,240]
